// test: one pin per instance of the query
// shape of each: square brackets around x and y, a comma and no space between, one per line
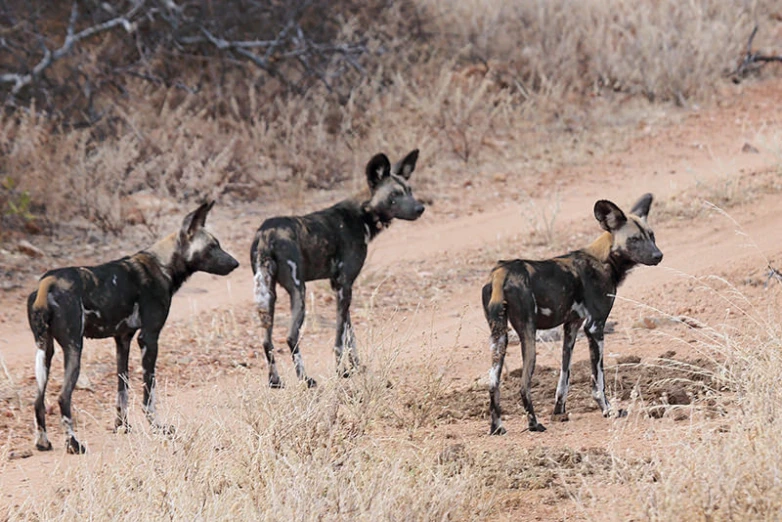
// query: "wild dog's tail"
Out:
[39,314]
[264,268]
[494,299]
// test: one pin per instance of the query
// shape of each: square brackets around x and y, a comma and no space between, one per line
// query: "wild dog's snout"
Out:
[419,209]
[222,263]
[657,256]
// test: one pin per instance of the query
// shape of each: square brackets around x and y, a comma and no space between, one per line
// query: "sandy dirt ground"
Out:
[419,294]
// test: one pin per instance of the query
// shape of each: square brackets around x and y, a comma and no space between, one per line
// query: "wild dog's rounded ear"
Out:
[378,168]
[609,215]
[641,207]
[406,166]
[197,218]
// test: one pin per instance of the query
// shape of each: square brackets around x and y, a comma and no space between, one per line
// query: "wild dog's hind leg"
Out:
[345,336]
[123,351]
[266,299]
[498,324]
[568,341]
[43,364]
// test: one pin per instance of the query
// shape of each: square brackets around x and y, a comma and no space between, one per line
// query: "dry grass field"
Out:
[525,115]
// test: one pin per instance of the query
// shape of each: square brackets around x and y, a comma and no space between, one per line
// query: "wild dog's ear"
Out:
[609,215]
[197,218]
[378,168]
[641,207]
[406,166]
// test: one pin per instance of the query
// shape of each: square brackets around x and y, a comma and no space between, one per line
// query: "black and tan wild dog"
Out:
[328,244]
[116,299]
[571,289]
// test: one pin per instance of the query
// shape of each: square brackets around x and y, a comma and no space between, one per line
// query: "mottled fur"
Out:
[571,290]
[116,299]
[328,244]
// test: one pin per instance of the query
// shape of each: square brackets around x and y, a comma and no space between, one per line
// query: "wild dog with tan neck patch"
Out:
[571,290]
[116,299]
[328,244]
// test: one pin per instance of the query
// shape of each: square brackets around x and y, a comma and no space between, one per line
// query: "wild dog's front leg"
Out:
[123,351]
[297,319]
[147,341]
[345,336]
[569,340]
[594,333]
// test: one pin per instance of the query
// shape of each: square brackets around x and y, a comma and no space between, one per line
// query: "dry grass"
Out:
[482,81]
[261,454]
[726,469]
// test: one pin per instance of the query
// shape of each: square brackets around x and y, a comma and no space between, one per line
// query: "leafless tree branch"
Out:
[752,61]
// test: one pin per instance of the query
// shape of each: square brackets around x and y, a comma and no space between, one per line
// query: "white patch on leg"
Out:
[293,272]
[40,369]
[545,312]
[298,362]
[562,386]
[67,423]
[494,376]
[263,293]
[580,309]
[599,391]
[494,373]
[367,234]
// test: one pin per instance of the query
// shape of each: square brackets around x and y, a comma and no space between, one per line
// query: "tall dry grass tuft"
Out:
[727,469]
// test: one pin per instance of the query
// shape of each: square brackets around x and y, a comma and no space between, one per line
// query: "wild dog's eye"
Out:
[651,236]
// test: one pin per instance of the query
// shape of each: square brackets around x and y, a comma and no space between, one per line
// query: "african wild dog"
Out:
[569,289]
[116,299]
[328,244]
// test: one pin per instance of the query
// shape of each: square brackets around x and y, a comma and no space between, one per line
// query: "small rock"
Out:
[19,454]
[29,249]
[184,360]
[679,397]
[500,178]
[84,383]
[749,148]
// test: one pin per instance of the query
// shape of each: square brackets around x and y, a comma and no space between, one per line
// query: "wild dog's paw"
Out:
[497,430]
[42,443]
[311,383]
[74,447]
[536,426]
[560,417]
[275,382]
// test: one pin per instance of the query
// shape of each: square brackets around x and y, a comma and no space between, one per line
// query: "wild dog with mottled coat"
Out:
[328,244]
[116,299]
[573,289]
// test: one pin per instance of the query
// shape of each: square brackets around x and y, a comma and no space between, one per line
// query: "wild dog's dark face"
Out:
[201,249]
[633,237]
[392,196]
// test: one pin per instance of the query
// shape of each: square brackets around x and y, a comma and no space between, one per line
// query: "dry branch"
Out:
[752,61]
[21,80]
